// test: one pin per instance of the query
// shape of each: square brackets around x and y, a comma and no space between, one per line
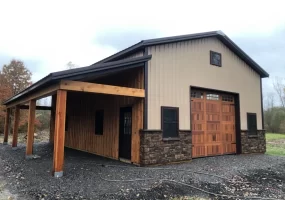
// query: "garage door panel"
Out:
[199,151]
[214,137]
[213,124]
[198,137]
[214,150]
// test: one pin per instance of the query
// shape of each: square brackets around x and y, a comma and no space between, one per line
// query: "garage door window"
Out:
[211,96]
[169,122]
[251,124]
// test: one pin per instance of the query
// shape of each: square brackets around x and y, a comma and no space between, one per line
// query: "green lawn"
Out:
[275,144]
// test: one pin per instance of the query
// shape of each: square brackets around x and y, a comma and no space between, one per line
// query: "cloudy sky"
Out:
[48,34]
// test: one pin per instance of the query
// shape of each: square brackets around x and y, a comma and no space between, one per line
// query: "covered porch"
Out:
[97,109]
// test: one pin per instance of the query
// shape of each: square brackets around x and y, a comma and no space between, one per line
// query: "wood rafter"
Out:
[102,89]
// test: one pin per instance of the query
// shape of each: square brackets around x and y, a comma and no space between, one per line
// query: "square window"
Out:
[216,58]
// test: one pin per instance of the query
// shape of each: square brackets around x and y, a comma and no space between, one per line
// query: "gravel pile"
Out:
[88,176]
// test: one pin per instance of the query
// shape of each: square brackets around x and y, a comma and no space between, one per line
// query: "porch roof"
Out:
[96,70]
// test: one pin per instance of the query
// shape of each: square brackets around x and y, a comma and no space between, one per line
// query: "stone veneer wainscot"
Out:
[253,144]
[154,149]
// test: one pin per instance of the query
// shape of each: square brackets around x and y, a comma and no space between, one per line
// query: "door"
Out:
[213,124]
[125,133]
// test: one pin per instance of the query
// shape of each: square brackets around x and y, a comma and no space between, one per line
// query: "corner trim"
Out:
[262,113]
[145,114]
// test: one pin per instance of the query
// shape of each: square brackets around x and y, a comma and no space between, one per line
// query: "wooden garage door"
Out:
[213,124]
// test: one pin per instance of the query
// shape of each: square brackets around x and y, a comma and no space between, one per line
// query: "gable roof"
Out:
[95,70]
[218,34]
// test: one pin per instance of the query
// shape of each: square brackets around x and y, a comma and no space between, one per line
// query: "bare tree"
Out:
[71,65]
[279,87]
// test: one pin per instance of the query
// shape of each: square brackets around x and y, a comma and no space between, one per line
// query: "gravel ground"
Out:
[239,175]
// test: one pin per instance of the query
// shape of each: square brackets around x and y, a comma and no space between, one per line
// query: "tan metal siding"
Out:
[174,67]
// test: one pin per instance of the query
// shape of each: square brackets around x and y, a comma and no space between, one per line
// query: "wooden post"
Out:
[31,128]
[59,133]
[16,126]
[52,118]
[6,127]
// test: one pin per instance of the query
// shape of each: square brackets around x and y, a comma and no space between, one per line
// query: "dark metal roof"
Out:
[219,34]
[80,73]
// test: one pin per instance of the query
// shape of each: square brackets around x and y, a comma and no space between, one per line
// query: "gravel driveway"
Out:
[86,178]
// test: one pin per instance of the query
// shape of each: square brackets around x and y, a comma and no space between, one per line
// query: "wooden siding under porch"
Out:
[80,116]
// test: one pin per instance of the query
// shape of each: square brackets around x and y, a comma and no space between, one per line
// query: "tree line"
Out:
[274,112]
[14,77]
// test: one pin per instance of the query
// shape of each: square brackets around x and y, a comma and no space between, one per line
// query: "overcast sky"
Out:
[48,35]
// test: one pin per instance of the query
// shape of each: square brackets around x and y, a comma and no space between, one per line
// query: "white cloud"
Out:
[55,32]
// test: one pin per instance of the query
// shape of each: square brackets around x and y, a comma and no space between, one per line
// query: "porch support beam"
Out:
[26,107]
[16,126]
[37,95]
[31,128]
[7,125]
[59,133]
[102,89]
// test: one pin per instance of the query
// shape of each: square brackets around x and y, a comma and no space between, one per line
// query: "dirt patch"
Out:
[279,141]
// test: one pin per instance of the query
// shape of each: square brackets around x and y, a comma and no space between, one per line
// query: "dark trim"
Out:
[184,130]
[25,107]
[237,112]
[238,125]
[161,119]
[79,73]
[248,114]
[145,114]
[218,34]
[211,62]
[261,96]
[212,90]
[171,139]
[151,130]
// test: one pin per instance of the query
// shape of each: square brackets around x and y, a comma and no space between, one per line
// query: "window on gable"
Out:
[99,122]
[216,58]
[170,124]
[251,124]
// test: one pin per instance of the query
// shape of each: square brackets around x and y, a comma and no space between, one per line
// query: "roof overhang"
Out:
[95,70]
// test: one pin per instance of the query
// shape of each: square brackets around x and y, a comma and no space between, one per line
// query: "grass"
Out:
[275,144]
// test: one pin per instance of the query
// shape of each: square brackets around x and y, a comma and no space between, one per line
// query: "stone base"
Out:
[58,174]
[29,157]
[155,150]
[253,144]
[5,143]
[14,148]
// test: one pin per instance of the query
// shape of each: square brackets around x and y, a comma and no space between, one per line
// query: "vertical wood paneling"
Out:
[81,108]
[174,67]
[16,126]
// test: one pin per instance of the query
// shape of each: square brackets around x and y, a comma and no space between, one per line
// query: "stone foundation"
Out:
[253,144]
[156,150]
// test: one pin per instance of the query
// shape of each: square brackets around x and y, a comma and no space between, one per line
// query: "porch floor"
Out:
[84,174]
